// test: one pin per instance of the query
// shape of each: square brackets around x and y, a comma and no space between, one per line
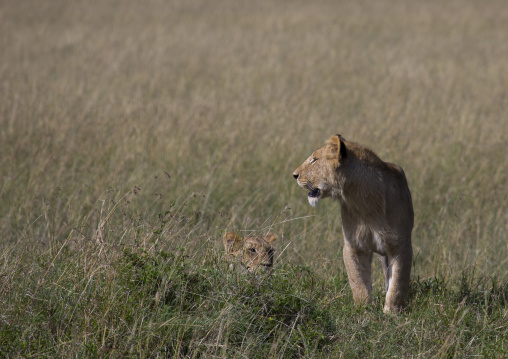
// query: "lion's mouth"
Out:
[314,193]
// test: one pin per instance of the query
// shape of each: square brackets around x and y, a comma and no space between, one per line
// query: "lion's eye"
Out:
[313,160]
[252,250]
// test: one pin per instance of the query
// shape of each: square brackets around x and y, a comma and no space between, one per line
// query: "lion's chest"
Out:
[366,241]
[364,235]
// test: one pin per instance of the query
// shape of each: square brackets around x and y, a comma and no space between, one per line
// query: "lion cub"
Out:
[252,252]
[376,210]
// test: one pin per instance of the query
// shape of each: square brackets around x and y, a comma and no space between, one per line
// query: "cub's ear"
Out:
[337,143]
[270,237]
[232,242]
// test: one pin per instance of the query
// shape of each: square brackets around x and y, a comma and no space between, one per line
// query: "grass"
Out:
[133,135]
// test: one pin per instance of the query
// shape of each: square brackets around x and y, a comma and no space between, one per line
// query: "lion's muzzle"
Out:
[314,193]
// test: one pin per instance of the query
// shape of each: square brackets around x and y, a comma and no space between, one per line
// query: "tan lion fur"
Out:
[377,214]
[252,252]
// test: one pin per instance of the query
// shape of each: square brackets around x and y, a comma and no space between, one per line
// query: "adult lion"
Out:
[377,214]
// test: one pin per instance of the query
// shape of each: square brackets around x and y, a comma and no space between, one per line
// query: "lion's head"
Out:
[318,172]
[252,251]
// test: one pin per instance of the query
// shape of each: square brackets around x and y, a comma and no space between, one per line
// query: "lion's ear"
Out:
[270,237]
[337,143]
[232,242]
[343,150]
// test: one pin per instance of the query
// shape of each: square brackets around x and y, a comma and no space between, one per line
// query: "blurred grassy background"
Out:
[227,98]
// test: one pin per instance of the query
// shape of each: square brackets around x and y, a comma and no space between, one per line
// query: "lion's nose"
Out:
[295,175]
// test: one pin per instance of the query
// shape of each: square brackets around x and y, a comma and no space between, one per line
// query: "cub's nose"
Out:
[295,175]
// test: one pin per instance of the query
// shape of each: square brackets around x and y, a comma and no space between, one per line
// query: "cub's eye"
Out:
[313,160]
[252,250]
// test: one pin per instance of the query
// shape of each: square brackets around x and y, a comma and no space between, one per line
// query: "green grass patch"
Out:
[169,304]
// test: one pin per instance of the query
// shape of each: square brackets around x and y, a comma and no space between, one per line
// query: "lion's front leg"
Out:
[358,267]
[400,266]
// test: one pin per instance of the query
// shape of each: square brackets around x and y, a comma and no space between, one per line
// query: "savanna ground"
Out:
[134,133]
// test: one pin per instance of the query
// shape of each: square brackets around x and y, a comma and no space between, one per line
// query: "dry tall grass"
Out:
[229,97]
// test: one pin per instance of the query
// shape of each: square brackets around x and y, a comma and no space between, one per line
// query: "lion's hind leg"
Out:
[387,270]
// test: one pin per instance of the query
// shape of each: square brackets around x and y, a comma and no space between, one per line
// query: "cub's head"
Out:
[318,172]
[253,252]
